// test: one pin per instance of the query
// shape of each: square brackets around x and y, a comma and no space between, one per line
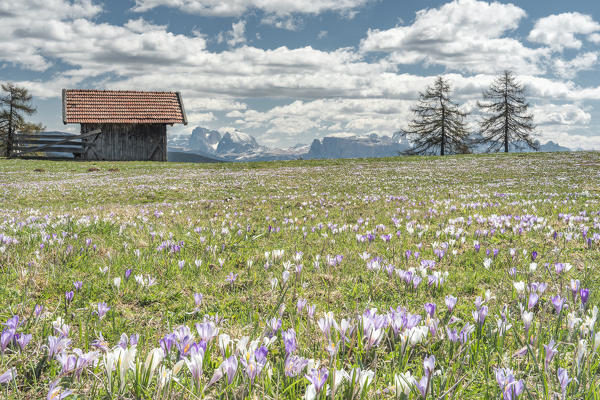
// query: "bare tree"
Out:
[15,102]
[438,124]
[506,119]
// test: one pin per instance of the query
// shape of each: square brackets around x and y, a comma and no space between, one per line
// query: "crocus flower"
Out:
[194,364]
[69,296]
[510,388]
[564,380]
[318,378]
[207,331]
[231,278]
[101,309]
[533,299]
[450,302]
[429,365]
[422,385]
[294,365]
[57,345]
[574,288]
[5,338]
[24,340]
[289,340]
[430,308]
[584,294]
[78,285]
[198,299]
[301,304]
[558,303]
[38,310]
[550,352]
[127,273]
[8,376]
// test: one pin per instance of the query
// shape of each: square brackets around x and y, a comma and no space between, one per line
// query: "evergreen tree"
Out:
[506,119]
[15,102]
[438,124]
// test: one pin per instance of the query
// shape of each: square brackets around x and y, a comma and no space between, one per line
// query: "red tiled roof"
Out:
[122,107]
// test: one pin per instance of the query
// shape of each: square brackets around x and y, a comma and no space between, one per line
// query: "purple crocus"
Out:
[480,315]
[584,294]
[78,285]
[8,376]
[450,302]
[101,309]
[69,296]
[558,303]
[289,340]
[551,351]
[5,338]
[198,299]
[231,278]
[510,388]
[294,365]
[23,340]
[564,380]
[430,309]
[128,273]
[534,255]
[56,392]
[301,304]
[533,299]
[12,323]
[429,365]
[318,377]
[422,385]
[574,288]
[230,366]
[37,311]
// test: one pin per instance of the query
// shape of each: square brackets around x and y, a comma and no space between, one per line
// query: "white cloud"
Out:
[560,114]
[558,31]
[464,35]
[338,91]
[290,23]
[236,8]
[569,69]
[237,34]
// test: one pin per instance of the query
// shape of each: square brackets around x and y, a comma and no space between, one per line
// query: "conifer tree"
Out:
[506,119]
[15,102]
[438,126]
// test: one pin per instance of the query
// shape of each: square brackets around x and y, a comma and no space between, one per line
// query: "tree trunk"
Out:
[9,138]
[505,120]
[443,130]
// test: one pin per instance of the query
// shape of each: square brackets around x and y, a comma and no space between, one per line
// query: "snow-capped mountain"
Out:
[235,143]
[357,146]
[239,146]
[205,140]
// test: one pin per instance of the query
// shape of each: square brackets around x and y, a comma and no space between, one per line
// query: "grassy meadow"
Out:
[464,277]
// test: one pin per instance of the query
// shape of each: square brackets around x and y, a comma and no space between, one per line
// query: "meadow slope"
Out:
[470,277]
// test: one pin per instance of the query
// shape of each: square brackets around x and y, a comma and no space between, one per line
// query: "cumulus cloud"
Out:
[560,114]
[463,35]
[559,31]
[236,8]
[569,69]
[319,92]
[237,34]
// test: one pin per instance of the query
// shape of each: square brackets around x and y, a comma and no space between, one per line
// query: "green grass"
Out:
[52,208]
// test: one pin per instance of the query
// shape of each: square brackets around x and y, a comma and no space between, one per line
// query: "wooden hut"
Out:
[133,123]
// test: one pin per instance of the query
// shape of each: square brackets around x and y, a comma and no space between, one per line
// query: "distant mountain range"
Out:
[237,146]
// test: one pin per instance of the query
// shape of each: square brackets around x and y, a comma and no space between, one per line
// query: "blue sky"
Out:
[287,71]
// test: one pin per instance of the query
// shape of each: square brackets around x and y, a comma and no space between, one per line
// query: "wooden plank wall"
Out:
[128,142]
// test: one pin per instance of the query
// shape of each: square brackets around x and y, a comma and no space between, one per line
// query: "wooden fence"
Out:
[32,145]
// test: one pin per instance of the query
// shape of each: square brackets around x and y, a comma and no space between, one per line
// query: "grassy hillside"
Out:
[374,242]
